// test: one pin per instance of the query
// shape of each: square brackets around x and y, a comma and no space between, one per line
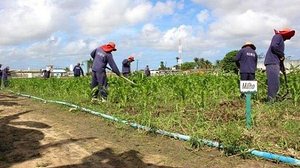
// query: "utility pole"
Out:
[179,61]
[137,65]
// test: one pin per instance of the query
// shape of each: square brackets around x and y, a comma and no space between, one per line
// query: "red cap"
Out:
[286,33]
[131,58]
[111,46]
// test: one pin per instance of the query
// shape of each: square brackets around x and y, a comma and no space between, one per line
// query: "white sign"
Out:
[248,86]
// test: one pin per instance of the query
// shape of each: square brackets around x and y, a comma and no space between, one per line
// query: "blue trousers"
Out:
[273,80]
[99,84]
[247,76]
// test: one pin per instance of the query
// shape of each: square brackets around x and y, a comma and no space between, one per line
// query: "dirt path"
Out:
[35,134]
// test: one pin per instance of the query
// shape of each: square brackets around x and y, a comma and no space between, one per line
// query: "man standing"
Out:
[126,66]
[274,58]
[5,74]
[47,72]
[246,61]
[78,70]
[101,56]
[147,71]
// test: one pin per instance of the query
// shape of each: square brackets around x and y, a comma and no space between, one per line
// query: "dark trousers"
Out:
[247,76]
[99,84]
[126,74]
[4,82]
[273,80]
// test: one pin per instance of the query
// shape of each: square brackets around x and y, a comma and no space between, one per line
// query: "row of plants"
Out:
[201,105]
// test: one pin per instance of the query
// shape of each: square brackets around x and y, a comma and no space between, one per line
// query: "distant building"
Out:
[59,72]
[26,73]
[55,72]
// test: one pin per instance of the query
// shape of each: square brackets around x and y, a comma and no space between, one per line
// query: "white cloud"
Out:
[151,33]
[138,14]
[103,17]
[166,8]
[237,21]
[203,16]
[245,24]
[75,46]
[169,40]
[27,20]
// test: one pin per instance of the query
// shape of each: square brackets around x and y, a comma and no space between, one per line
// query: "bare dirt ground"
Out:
[36,134]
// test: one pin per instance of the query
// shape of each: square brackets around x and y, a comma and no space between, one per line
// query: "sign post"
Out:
[248,87]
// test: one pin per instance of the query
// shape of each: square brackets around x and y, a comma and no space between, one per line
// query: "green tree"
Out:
[162,66]
[89,63]
[188,65]
[227,63]
[202,63]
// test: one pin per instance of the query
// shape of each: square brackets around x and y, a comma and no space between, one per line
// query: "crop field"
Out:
[200,105]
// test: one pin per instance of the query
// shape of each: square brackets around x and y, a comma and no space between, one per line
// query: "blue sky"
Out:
[35,33]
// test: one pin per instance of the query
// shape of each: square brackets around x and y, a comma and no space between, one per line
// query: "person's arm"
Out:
[126,62]
[256,59]
[237,59]
[275,47]
[93,53]
[81,71]
[113,65]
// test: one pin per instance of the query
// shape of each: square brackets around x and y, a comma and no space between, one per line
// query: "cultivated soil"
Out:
[38,134]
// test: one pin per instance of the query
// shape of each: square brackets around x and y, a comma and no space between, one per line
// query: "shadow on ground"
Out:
[5,100]
[107,158]
[8,103]
[8,96]
[20,144]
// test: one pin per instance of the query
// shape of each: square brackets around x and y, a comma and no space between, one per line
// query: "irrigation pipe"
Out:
[261,154]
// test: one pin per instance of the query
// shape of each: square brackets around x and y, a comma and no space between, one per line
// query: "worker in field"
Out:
[274,61]
[5,74]
[126,66]
[246,61]
[147,71]
[77,70]
[101,57]
[47,72]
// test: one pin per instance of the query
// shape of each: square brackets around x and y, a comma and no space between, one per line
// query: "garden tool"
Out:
[128,80]
[283,70]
